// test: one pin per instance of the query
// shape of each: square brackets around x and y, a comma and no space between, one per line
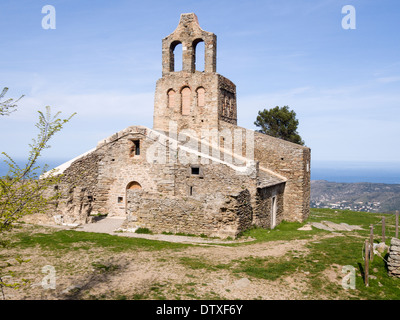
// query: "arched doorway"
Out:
[133,185]
[132,196]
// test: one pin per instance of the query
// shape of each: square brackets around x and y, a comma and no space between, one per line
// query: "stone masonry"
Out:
[394,258]
[196,171]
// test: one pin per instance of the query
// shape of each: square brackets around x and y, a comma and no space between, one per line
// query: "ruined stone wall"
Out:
[288,160]
[215,215]
[263,208]
[293,162]
[394,258]
[77,191]
[212,178]
[119,167]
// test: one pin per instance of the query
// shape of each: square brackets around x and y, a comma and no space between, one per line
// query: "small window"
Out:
[171,98]
[135,148]
[186,92]
[200,97]
[120,199]
[195,171]
[190,191]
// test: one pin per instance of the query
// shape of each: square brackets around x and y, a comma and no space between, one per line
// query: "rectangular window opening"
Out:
[135,148]
[195,171]
[120,199]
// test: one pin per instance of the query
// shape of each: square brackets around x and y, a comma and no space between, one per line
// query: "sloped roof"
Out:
[265,177]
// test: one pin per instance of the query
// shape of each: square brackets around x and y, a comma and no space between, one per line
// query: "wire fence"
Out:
[368,250]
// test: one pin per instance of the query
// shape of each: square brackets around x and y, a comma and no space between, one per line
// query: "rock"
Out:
[58,219]
[394,257]
[395,249]
[352,227]
[71,289]
[306,227]
[393,263]
[321,226]
[336,226]
[380,247]
[395,242]
[242,283]
[331,226]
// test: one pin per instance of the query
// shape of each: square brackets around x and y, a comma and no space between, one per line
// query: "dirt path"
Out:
[188,273]
[111,225]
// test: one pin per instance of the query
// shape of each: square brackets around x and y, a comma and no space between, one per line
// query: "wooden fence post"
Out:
[371,242]
[366,266]
[397,224]
[383,230]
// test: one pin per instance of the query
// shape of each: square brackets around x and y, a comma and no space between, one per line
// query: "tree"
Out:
[7,106]
[279,123]
[22,192]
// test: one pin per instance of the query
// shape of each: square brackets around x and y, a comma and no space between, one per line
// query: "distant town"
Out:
[363,196]
[346,205]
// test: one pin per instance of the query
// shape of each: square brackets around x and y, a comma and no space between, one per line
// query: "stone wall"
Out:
[394,258]
[188,33]
[284,159]
[291,161]
[76,191]
[216,215]
[263,210]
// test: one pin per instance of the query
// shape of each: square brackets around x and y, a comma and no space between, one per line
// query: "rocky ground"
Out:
[195,272]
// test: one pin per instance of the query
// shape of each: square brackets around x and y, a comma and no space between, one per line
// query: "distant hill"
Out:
[363,196]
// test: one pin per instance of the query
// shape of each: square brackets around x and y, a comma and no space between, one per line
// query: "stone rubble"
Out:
[394,258]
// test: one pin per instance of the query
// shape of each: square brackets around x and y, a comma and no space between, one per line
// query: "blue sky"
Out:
[104,58]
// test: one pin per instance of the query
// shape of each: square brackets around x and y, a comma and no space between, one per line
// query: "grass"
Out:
[326,252]
[284,231]
[105,267]
[144,231]
[338,251]
[197,263]
[187,234]
[78,240]
[269,269]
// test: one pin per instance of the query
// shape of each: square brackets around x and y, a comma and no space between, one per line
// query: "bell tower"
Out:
[190,98]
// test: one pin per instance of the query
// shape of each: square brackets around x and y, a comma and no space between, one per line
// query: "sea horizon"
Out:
[356,171]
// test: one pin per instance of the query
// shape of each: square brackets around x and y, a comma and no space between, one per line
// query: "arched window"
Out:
[133,185]
[171,98]
[186,92]
[176,56]
[201,97]
[199,54]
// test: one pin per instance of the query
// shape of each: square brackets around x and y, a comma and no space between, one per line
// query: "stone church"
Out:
[195,171]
